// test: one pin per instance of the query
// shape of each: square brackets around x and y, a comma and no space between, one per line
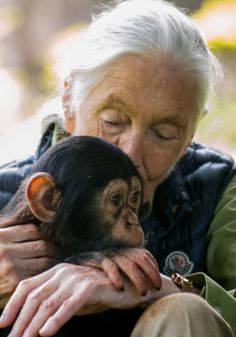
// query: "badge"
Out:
[178,262]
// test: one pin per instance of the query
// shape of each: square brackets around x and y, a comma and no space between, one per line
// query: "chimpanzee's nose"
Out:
[131,218]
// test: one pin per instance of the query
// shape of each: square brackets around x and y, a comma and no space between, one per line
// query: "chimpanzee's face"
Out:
[120,203]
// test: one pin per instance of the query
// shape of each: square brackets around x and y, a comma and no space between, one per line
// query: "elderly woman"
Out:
[139,76]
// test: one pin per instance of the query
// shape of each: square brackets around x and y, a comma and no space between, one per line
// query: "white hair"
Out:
[154,28]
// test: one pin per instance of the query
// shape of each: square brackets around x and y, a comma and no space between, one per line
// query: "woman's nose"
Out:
[133,146]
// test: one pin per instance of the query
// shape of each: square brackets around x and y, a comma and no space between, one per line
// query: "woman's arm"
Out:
[47,301]
[221,253]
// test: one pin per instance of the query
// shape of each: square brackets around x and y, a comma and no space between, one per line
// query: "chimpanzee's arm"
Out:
[135,263]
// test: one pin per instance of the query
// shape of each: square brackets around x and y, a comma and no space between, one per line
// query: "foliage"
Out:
[218,22]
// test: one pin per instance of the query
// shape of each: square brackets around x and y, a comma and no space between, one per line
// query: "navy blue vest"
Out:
[183,209]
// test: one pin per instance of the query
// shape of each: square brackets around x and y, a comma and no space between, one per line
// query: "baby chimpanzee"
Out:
[84,194]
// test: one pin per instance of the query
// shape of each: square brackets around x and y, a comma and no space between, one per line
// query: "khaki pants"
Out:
[181,315]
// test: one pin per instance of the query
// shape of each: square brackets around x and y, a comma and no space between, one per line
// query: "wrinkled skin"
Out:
[147,116]
[50,299]
[23,253]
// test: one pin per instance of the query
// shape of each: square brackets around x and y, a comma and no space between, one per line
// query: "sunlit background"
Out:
[33,33]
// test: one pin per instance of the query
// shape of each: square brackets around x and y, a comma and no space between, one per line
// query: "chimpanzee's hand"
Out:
[47,301]
[137,264]
[23,253]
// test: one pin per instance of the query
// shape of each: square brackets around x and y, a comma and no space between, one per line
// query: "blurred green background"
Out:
[34,33]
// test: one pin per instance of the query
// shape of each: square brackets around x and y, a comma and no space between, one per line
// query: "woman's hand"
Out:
[23,253]
[137,264]
[47,301]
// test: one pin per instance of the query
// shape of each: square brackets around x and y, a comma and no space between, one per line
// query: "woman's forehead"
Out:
[136,84]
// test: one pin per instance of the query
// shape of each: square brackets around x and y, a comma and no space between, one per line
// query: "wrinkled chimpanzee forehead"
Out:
[131,184]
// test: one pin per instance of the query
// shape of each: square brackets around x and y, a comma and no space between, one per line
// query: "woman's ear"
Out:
[42,196]
[69,121]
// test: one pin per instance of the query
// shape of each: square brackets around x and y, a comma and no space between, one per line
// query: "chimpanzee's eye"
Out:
[134,201]
[135,197]
[115,199]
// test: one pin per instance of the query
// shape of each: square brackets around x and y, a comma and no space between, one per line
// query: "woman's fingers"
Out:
[23,253]
[44,309]
[20,233]
[20,296]
[33,249]
[63,290]
[65,312]
[47,301]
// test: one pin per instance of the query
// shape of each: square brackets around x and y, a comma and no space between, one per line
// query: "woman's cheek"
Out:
[159,165]
[114,139]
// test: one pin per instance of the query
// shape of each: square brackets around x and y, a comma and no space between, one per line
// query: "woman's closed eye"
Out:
[166,132]
[112,122]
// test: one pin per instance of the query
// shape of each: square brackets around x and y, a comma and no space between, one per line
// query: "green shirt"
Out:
[221,258]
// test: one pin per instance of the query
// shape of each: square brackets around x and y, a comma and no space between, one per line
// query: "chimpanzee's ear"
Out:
[42,196]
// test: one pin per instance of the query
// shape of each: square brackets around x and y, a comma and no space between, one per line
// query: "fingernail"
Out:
[41,332]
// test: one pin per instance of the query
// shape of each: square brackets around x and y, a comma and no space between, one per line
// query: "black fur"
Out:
[82,166]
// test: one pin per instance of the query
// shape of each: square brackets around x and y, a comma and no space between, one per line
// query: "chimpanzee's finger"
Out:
[150,268]
[149,255]
[132,270]
[114,274]
[145,262]
[109,267]
[136,253]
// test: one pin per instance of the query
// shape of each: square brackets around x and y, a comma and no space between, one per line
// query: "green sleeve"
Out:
[221,258]
[222,301]
[221,253]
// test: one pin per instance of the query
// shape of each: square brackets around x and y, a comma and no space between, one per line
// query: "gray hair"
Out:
[154,28]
